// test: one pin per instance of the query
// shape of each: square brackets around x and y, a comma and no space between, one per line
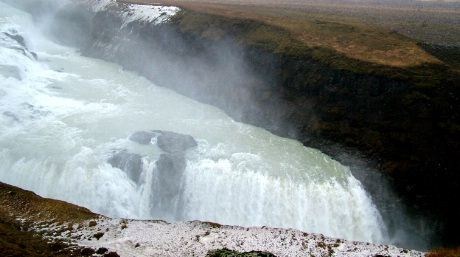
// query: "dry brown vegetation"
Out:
[19,209]
[350,30]
[444,253]
[14,202]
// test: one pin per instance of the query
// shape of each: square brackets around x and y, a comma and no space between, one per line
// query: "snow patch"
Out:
[155,14]
[100,5]
[130,238]
[149,13]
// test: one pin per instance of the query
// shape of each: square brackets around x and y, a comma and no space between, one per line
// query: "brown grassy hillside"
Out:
[362,32]
[19,209]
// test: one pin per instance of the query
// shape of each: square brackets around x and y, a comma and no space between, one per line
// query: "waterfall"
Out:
[63,116]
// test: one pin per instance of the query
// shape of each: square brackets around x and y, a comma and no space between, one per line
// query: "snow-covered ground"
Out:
[132,238]
[149,13]
[154,14]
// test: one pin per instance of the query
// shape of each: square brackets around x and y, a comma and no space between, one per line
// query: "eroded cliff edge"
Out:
[404,118]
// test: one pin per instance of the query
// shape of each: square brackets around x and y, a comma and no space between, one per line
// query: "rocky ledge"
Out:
[35,226]
[171,163]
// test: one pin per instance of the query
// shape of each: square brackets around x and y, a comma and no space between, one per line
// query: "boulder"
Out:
[230,253]
[168,141]
[87,251]
[22,43]
[142,137]
[16,37]
[102,250]
[172,142]
[11,116]
[111,254]
[171,167]
[129,163]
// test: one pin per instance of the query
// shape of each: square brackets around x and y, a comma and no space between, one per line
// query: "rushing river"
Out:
[62,116]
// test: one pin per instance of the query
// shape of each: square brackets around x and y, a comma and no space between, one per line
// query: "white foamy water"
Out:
[63,115]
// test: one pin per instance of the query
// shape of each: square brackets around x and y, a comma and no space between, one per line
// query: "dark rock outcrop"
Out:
[171,165]
[142,137]
[230,253]
[111,254]
[98,235]
[170,168]
[22,44]
[167,141]
[11,115]
[16,37]
[102,250]
[87,251]
[129,163]
[172,142]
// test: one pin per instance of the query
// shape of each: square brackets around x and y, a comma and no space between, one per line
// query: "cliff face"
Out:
[405,119]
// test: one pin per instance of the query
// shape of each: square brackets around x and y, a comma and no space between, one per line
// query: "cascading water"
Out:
[62,117]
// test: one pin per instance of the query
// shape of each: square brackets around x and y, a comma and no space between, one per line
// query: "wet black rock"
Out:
[172,142]
[171,164]
[11,116]
[102,250]
[111,254]
[22,43]
[98,235]
[87,251]
[17,38]
[142,137]
[170,167]
[129,163]
[229,253]
[169,171]
[168,141]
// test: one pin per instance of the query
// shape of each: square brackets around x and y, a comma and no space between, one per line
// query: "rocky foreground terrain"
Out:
[35,226]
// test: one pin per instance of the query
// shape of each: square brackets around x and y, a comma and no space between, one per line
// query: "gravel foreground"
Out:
[130,238]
